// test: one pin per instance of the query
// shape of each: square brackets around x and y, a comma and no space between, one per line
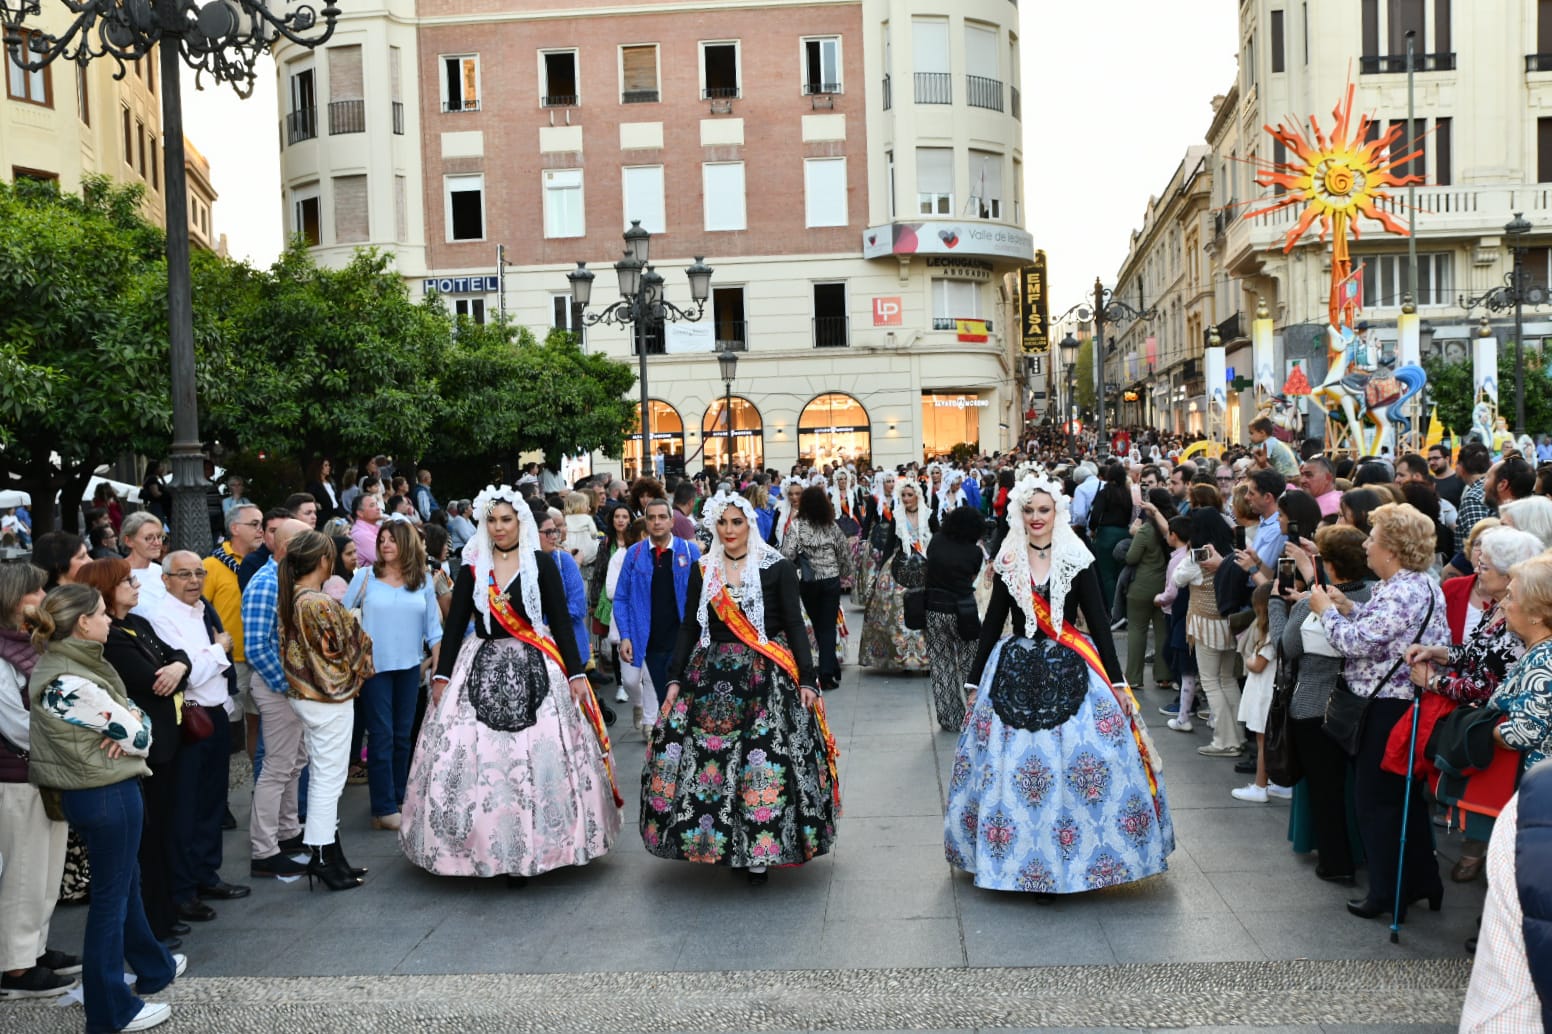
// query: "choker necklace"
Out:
[730,556]
[504,552]
[1040,551]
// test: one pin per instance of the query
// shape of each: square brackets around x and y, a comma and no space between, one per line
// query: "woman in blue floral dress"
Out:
[738,771]
[1055,787]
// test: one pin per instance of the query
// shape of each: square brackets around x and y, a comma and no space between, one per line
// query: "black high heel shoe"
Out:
[1363,908]
[328,865]
[356,871]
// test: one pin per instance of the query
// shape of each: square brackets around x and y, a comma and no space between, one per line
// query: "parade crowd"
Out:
[1371,641]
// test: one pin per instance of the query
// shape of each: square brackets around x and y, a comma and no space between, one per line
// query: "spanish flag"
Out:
[971,330]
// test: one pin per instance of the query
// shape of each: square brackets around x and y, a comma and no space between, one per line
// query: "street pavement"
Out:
[881,935]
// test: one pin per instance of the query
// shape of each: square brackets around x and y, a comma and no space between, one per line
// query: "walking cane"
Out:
[1406,808]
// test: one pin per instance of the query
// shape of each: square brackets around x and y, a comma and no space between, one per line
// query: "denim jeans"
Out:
[388,701]
[109,819]
[203,771]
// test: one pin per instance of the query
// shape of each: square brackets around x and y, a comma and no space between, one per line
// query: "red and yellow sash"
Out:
[1074,640]
[739,624]
[519,628]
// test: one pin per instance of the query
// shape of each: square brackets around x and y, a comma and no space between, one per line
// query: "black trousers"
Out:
[822,602]
[203,772]
[1380,798]
[1326,771]
[161,793]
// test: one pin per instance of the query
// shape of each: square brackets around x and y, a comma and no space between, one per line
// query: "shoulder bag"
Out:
[1282,761]
[1346,710]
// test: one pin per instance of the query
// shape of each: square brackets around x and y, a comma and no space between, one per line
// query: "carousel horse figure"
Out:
[1372,403]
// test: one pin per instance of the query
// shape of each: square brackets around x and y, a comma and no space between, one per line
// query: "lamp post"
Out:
[1108,308]
[1515,292]
[641,302]
[1069,347]
[727,363]
[223,39]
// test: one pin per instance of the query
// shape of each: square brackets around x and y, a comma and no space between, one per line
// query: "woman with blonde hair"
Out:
[582,536]
[1406,607]
[397,600]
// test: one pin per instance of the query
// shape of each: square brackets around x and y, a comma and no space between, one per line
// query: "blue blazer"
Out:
[576,602]
[633,592]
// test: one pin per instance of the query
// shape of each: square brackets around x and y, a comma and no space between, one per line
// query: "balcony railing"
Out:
[453,107]
[981,92]
[1015,105]
[1538,62]
[732,335]
[638,97]
[398,118]
[347,117]
[1230,330]
[558,100]
[1374,64]
[952,322]
[934,88]
[888,99]
[810,89]
[301,124]
[719,93]
[832,331]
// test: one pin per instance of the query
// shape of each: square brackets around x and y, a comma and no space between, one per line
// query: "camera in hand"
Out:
[1199,554]
[1285,575]
[1239,536]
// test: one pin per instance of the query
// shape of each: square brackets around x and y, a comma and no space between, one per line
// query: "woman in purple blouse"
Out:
[1406,607]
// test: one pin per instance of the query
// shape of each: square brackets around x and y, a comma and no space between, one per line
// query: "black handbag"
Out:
[1346,710]
[968,616]
[1282,761]
[805,567]
[915,601]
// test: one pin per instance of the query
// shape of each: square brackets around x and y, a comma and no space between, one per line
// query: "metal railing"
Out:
[719,93]
[952,322]
[934,88]
[347,117]
[732,335]
[1015,105]
[638,97]
[301,124]
[888,99]
[1377,64]
[398,118]
[981,92]
[453,107]
[812,88]
[832,331]
[558,100]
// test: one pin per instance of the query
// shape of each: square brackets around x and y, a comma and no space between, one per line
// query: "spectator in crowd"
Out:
[304,507]
[552,535]
[144,536]
[244,535]
[459,528]
[366,516]
[816,537]
[1472,463]
[106,498]
[1110,515]
[425,503]
[1318,478]
[59,554]
[650,596]
[256,559]
[320,485]
[236,494]
[1206,628]
[1271,451]
[1357,504]
[1445,481]
[1148,556]
[1525,695]
[102,542]
[1532,514]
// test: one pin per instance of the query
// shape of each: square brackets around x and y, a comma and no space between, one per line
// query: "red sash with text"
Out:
[738,623]
[1074,640]
[519,628]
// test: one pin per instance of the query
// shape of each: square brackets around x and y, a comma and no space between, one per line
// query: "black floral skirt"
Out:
[736,773]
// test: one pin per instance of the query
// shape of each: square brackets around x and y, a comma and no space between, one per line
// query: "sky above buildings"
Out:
[1114,92]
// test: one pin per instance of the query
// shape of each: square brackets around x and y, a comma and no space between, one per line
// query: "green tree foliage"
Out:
[1451,385]
[84,358]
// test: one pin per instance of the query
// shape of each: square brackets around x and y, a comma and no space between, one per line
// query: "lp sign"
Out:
[887,312]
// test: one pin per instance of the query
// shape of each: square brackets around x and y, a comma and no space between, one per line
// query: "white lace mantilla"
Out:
[480,554]
[1068,553]
[761,555]
[918,534]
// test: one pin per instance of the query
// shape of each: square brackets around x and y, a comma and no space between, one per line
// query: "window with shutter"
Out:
[638,74]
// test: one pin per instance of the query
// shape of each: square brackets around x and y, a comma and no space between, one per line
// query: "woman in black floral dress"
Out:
[738,771]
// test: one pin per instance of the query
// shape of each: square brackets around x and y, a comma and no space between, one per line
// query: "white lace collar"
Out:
[1069,555]
[761,555]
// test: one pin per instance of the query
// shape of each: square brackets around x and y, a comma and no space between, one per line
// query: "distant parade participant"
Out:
[511,775]
[787,508]
[877,518]
[846,501]
[1054,788]
[886,643]
[739,771]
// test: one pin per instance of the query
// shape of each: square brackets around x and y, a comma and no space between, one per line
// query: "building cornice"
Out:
[620,10]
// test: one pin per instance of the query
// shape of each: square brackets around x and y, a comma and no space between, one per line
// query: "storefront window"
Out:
[667,441]
[834,428]
[748,435]
[950,419]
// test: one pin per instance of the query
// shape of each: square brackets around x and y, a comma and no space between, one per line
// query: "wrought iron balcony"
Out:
[934,88]
[347,117]
[981,92]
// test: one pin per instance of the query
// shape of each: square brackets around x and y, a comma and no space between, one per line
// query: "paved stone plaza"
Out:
[881,935]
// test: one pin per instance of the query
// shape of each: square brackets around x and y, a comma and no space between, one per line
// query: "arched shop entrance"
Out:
[834,428]
[748,435]
[667,439]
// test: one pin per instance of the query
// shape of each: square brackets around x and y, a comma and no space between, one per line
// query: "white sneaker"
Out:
[151,1014]
[180,964]
[620,696]
[1180,724]
[1252,793]
[1281,792]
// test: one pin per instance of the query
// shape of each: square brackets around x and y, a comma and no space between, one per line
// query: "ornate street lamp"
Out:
[727,363]
[1069,347]
[1516,291]
[222,39]
[641,302]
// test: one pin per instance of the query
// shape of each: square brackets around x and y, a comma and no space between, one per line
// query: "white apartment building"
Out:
[851,169]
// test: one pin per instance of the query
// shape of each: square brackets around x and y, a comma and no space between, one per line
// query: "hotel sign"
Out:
[461,285]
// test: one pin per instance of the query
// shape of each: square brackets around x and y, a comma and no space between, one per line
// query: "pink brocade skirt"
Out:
[482,802]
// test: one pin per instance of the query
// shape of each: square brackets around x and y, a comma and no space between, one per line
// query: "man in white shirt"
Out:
[186,623]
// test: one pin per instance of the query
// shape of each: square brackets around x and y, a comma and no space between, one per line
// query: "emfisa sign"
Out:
[462,285]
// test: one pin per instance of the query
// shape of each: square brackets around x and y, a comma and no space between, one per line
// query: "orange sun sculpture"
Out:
[1337,179]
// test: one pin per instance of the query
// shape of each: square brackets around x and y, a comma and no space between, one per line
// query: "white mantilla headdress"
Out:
[1068,553]
[952,494]
[761,555]
[910,536]
[480,554]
